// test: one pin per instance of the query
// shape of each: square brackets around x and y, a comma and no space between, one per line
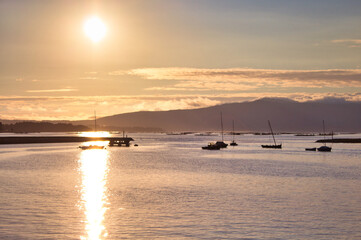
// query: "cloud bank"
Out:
[245,79]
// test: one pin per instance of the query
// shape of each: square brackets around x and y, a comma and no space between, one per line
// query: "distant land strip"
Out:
[57,139]
[340,140]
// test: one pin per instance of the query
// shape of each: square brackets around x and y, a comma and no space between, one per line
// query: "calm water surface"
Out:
[169,188]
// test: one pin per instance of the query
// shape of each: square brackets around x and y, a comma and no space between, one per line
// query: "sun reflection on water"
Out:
[94,170]
[94,134]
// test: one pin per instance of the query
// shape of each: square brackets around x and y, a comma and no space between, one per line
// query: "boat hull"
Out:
[272,146]
[211,147]
[310,149]
[221,144]
[324,149]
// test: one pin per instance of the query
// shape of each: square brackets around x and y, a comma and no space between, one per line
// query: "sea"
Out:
[167,187]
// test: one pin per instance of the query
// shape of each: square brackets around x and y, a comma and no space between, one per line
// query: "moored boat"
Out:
[324,149]
[310,149]
[275,145]
[211,146]
[272,146]
[233,143]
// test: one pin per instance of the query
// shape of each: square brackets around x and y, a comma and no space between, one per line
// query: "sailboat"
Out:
[233,143]
[275,145]
[221,144]
[324,148]
[86,147]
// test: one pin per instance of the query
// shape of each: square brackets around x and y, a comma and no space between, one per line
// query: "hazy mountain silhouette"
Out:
[286,116]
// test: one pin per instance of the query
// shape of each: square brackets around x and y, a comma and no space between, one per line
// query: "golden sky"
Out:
[167,54]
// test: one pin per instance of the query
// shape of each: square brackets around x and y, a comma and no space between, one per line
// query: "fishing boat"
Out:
[275,145]
[324,148]
[233,143]
[211,146]
[221,144]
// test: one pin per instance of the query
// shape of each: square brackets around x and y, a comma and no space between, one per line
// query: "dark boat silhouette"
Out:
[310,149]
[221,144]
[212,146]
[233,143]
[324,148]
[275,145]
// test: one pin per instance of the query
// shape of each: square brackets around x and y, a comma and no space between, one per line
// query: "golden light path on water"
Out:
[94,170]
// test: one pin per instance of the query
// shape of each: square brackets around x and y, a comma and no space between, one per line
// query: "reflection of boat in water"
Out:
[324,148]
[91,147]
[275,145]
[233,143]
[310,149]
[212,146]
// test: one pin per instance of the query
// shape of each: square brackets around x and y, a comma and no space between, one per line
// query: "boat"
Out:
[91,147]
[233,143]
[310,149]
[275,145]
[212,146]
[86,147]
[221,144]
[324,148]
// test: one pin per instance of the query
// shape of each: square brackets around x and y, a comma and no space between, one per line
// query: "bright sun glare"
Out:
[95,29]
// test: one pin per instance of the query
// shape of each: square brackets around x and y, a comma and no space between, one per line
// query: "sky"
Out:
[168,54]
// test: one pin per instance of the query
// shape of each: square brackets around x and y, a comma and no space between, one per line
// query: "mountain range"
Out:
[285,115]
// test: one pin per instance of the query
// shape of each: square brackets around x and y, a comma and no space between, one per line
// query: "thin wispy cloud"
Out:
[52,90]
[349,42]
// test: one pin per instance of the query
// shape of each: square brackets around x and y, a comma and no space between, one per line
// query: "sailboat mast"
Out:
[324,132]
[233,129]
[269,124]
[95,121]
[222,126]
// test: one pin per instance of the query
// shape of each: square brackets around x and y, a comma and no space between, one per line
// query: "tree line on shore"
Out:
[25,127]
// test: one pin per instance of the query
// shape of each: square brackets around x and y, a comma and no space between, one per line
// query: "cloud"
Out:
[53,90]
[245,79]
[349,42]
[88,78]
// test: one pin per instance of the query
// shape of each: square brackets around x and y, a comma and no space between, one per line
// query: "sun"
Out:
[95,29]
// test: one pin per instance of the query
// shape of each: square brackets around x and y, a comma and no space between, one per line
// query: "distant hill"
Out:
[285,115]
